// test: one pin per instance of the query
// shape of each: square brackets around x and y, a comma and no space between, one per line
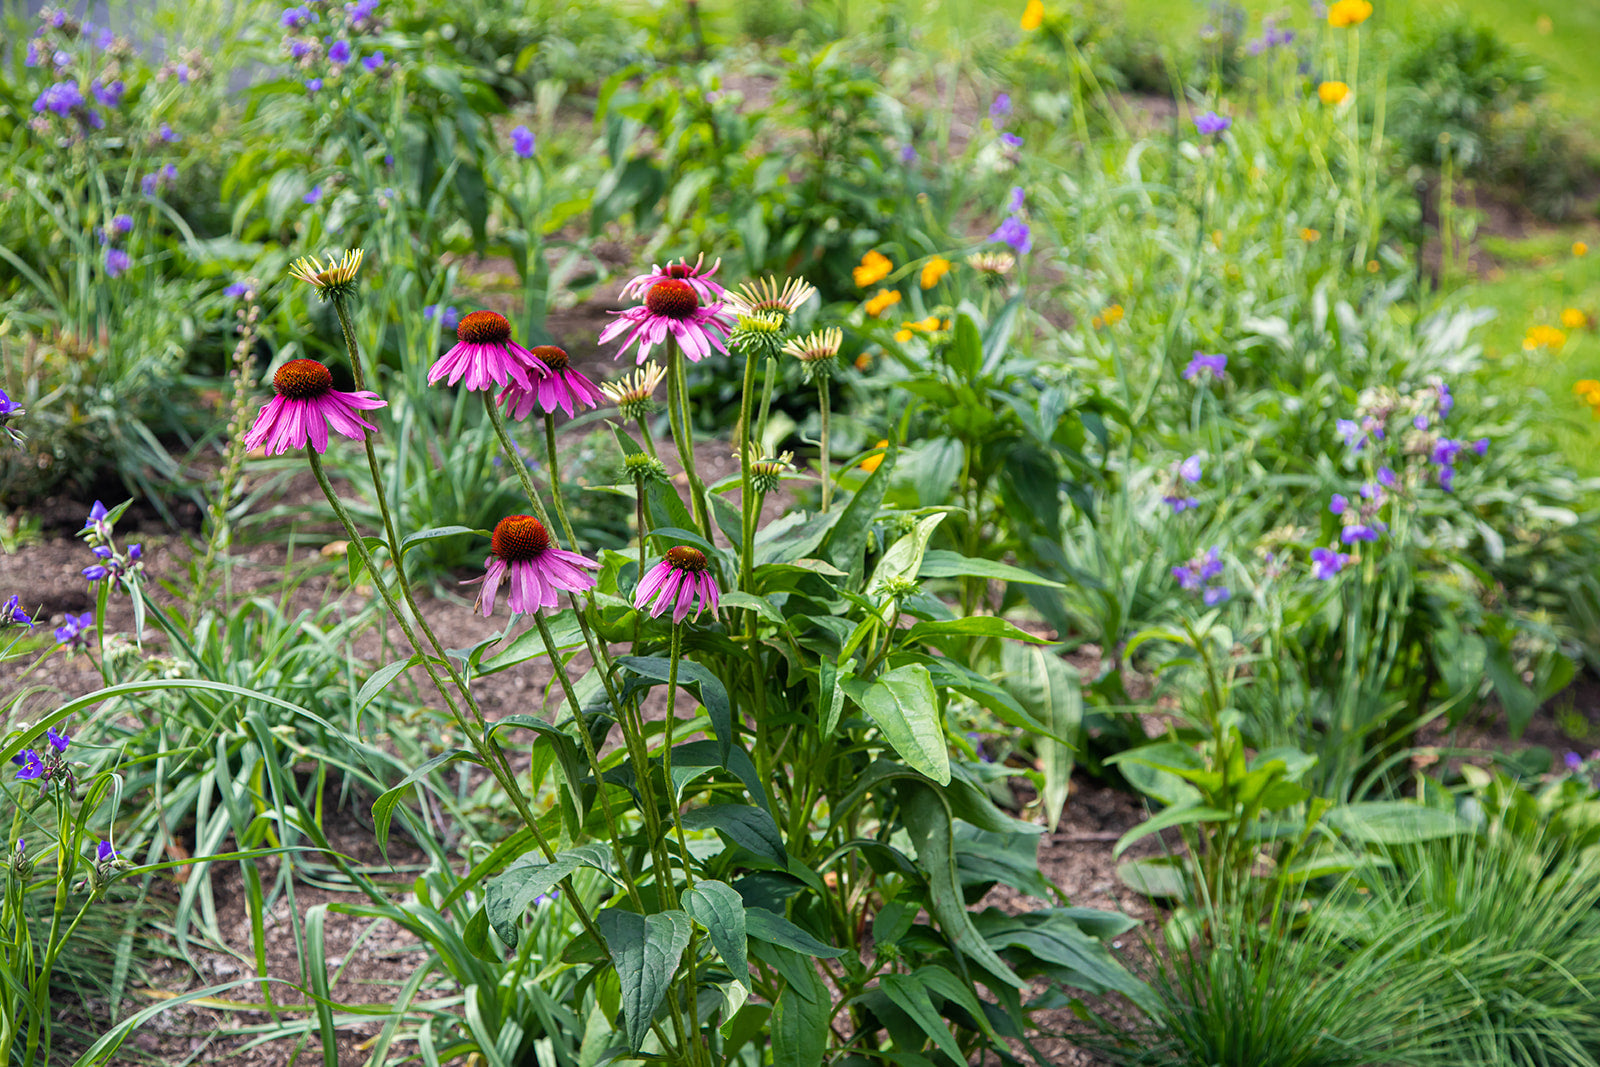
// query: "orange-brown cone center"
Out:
[484,328]
[551,356]
[686,559]
[673,298]
[302,379]
[519,537]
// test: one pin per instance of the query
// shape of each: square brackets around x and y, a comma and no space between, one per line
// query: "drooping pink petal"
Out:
[651,582]
[685,599]
[496,570]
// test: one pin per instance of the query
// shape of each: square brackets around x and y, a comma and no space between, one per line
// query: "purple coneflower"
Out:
[682,579]
[698,277]
[523,548]
[671,305]
[561,386]
[485,353]
[306,405]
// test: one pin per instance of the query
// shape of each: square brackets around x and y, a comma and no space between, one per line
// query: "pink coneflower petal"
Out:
[495,571]
[484,354]
[697,276]
[305,405]
[522,550]
[674,306]
[681,581]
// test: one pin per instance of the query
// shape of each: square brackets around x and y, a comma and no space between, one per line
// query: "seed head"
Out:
[519,537]
[335,281]
[484,328]
[687,559]
[766,472]
[758,333]
[302,379]
[672,298]
[551,356]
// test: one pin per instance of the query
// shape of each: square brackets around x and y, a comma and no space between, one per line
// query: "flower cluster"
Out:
[74,54]
[49,765]
[120,567]
[116,260]
[1588,391]
[1179,477]
[325,51]
[1271,37]
[1547,337]
[1199,576]
[1014,231]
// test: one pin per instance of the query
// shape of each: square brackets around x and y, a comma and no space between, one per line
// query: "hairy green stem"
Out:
[514,458]
[683,435]
[555,480]
[823,465]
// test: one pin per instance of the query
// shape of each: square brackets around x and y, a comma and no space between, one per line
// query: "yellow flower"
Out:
[1095,322]
[1589,389]
[903,335]
[1333,92]
[1543,337]
[1342,13]
[882,300]
[863,361]
[875,267]
[1309,235]
[933,270]
[1573,319]
[1112,314]
[1033,15]
[1373,266]
[871,463]
[1579,248]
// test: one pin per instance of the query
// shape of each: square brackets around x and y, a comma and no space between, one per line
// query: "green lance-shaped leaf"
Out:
[1043,684]
[645,951]
[745,825]
[509,895]
[718,907]
[903,705]
[712,692]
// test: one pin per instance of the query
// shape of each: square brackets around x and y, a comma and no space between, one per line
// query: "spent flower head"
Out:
[766,472]
[766,296]
[334,281]
[758,333]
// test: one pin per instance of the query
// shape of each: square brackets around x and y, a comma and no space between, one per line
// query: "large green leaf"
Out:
[645,951]
[846,543]
[745,825]
[903,559]
[1043,684]
[712,693]
[718,907]
[508,896]
[769,926]
[911,996]
[928,822]
[1394,822]
[1054,937]
[942,563]
[800,1019]
[903,705]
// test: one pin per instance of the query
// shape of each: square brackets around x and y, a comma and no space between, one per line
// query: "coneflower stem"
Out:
[747,494]
[683,434]
[767,376]
[555,478]
[822,461]
[560,670]
[666,752]
[514,458]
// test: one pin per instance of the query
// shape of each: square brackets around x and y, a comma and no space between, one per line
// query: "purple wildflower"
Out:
[1358,531]
[1327,562]
[32,765]
[908,154]
[61,98]
[523,142]
[314,195]
[1015,233]
[1201,364]
[1011,140]
[1018,197]
[1481,446]
[117,261]
[1215,595]
[74,633]
[1190,469]
[11,614]
[1386,478]
[339,52]
[374,62]
[1354,436]
[237,290]
[1000,110]
[121,224]
[1338,504]
[109,95]
[449,318]
[1574,762]
[1211,123]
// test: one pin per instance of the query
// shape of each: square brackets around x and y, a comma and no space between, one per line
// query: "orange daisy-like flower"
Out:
[1033,15]
[882,301]
[1333,92]
[875,267]
[1345,13]
[933,270]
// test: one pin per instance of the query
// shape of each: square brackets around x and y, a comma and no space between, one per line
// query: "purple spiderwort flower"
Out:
[58,740]
[1019,196]
[60,98]
[11,614]
[1481,446]
[449,318]
[523,142]
[237,290]
[1011,140]
[339,52]
[313,85]
[121,225]
[1179,504]
[908,154]
[1215,595]
[314,195]
[74,633]
[1574,762]
[1015,233]
[1211,123]
[1386,478]
[1000,110]
[32,765]
[1327,562]
[117,262]
[1202,364]
[104,853]
[109,95]
[374,62]
[1359,531]
[1338,503]
[1354,436]
[1190,469]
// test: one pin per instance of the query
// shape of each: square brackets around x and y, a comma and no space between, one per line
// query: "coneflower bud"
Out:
[758,333]
[767,471]
[817,351]
[337,279]
[643,467]
[994,266]
[900,588]
[634,393]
